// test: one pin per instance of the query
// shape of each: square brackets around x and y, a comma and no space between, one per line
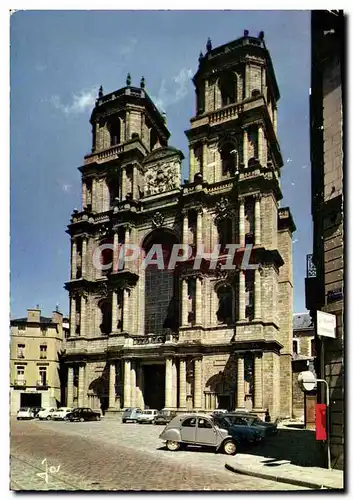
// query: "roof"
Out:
[43,320]
[302,321]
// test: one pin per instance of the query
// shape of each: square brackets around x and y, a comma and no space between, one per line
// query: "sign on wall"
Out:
[326,324]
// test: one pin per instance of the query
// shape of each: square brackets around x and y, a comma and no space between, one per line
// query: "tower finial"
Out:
[209,44]
[100,91]
[164,116]
[142,82]
[246,33]
[200,56]
[128,80]
[261,35]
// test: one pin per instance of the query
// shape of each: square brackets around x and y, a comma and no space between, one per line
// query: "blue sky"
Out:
[58,61]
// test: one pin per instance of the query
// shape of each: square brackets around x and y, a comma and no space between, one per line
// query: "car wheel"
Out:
[48,417]
[173,445]
[123,421]
[229,447]
[153,422]
[82,419]
[18,418]
[97,418]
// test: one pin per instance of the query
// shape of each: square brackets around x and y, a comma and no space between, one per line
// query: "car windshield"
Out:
[23,409]
[224,423]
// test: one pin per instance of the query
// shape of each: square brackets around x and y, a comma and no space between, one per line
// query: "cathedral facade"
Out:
[184,336]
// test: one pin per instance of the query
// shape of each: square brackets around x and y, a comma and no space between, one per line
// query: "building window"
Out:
[229,158]
[44,330]
[43,352]
[105,307]
[295,347]
[192,300]
[225,233]
[225,305]
[20,372]
[21,327]
[20,350]
[42,375]
[115,132]
[228,89]
[312,347]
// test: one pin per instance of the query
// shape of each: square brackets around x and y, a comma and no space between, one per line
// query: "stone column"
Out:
[198,383]
[123,184]
[133,385]
[240,383]
[83,316]
[93,200]
[114,310]
[257,287]
[84,256]
[198,301]
[125,310]
[246,81]
[70,386]
[184,302]
[192,164]
[112,375]
[241,295]
[115,252]
[245,147]
[258,385]
[174,384]
[261,146]
[182,384]
[134,182]
[275,119]
[242,222]
[127,235]
[185,227]
[127,383]
[73,317]
[199,229]
[73,259]
[168,382]
[81,385]
[84,195]
[257,220]
[140,401]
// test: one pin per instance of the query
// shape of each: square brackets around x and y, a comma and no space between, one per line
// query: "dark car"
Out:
[83,415]
[253,420]
[241,428]
[164,417]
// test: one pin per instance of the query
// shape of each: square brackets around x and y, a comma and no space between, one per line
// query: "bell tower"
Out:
[236,111]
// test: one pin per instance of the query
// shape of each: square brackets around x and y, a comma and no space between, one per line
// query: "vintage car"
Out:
[25,413]
[82,415]
[146,416]
[61,413]
[241,427]
[130,415]
[200,430]
[163,417]
[46,413]
[269,428]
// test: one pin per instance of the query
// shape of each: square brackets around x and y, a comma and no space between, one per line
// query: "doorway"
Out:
[31,400]
[154,386]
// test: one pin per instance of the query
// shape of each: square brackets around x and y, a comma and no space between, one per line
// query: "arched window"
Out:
[161,286]
[106,256]
[113,186]
[229,158]
[228,88]
[105,307]
[115,132]
[225,305]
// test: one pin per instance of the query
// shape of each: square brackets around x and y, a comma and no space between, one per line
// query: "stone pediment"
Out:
[163,153]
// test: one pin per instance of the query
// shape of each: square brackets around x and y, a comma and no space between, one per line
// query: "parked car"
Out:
[240,426]
[36,410]
[46,413]
[269,428]
[83,415]
[130,415]
[163,417]
[61,413]
[25,413]
[201,430]
[146,416]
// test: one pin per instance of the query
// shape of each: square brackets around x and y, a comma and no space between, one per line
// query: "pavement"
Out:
[112,456]
[293,456]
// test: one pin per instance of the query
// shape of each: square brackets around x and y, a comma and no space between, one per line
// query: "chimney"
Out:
[33,315]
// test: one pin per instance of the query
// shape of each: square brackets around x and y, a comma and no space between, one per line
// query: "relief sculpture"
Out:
[162,178]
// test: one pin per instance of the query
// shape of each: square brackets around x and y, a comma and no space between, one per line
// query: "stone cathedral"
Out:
[185,338]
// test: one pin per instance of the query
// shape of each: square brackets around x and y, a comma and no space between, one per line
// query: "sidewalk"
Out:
[285,471]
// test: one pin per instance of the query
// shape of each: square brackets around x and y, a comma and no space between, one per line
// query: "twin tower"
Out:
[184,338]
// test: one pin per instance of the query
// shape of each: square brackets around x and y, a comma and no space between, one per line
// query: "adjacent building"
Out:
[189,337]
[36,344]
[304,355]
[324,282]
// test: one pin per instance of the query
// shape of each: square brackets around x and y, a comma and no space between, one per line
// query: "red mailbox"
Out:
[321,434]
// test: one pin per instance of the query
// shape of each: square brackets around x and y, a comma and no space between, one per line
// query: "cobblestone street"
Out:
[109,455]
